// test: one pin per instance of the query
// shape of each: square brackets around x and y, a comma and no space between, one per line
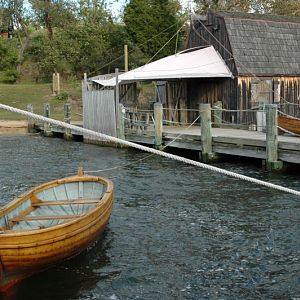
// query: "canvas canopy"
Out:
[191,63]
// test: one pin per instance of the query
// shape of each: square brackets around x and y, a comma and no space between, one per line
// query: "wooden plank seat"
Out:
[64,202]
[38,218]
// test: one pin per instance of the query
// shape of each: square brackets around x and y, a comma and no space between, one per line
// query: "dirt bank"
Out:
[13,127]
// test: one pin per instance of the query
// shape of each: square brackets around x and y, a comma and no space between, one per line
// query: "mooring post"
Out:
[206,132]
[67,118]
[47,126]
[121,122]
[30,120]
[158,123]
[217,113]
[272,162]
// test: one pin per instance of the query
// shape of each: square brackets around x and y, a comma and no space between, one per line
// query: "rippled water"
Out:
[176,231]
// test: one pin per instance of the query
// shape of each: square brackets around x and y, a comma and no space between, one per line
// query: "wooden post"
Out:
[117,100]
[206,133]
[121,114]
[158,119]
[126,58]
[272,162]
[30,120]
[55,83]
[47,126]
[67,118]
[217,113]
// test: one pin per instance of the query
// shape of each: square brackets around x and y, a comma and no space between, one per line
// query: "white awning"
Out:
[199,63]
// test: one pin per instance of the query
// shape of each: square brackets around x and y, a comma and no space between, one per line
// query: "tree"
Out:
[287,7]
[53,14]
[153,25]
[8,61]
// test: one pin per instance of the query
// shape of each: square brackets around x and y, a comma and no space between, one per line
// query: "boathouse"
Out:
[261,51]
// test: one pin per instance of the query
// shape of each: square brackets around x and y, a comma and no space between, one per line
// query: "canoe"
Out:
[51,223]
[289,124]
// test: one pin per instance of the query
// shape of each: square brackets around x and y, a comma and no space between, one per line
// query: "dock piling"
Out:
[30,121]
[67,118]
[121,122]
[47,127]
[272,162]
[217,114]
[207,154]
[158,118]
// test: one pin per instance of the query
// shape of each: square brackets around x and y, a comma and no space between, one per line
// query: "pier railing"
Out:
[139,120]
[144,120]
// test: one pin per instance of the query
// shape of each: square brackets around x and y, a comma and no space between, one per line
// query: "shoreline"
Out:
[13,127]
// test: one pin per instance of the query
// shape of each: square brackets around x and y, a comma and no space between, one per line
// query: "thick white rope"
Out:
[107,138]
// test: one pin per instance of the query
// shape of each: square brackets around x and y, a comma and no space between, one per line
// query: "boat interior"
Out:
[53,206]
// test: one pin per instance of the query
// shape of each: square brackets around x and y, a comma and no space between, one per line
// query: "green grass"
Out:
[21,94]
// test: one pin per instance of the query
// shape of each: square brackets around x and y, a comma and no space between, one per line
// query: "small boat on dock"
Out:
[289,124]
[51,223]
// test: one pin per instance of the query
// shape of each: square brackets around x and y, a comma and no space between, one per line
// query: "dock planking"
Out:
[224,141]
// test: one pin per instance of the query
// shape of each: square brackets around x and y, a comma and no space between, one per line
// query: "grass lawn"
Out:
[21,94]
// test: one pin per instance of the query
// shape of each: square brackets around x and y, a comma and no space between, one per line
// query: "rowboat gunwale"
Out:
[289,123]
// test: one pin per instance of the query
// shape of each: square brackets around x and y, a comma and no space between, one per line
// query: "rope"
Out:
[148,156]
[282,113]
[177,32]
[150,150]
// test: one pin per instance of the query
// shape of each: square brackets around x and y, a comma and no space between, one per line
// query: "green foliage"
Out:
[63,96]
[73,37]
[8,61]
[9,76]
[152,24]
[287,7]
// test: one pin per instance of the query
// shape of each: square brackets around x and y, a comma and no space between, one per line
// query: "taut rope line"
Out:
[150,150]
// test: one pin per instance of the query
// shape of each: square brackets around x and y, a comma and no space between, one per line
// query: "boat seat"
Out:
[65,202]
[36,218]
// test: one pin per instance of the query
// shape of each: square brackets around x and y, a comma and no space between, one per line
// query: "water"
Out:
[176,231]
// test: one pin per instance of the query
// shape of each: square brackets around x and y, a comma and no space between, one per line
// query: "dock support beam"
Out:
[47,126]
[158,117]
[67,118]
[272,162]
[207,154]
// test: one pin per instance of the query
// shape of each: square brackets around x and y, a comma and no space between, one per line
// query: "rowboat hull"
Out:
[290,124]
[25,252]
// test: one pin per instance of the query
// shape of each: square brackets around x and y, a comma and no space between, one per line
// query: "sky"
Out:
[116,6]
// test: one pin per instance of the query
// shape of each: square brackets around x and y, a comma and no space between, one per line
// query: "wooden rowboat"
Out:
[51,223]
[289,124]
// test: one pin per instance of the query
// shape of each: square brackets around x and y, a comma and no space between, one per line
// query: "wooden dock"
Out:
[236,142]
[211,142]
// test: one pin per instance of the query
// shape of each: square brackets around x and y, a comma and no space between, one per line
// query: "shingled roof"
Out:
[264,44]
